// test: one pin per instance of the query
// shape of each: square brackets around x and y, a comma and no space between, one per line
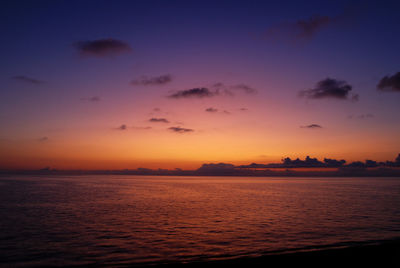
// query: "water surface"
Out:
[111,219]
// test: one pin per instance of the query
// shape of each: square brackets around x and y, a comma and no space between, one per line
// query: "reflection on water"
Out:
[138,219]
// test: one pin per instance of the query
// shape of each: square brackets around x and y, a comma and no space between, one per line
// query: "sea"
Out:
[58,220]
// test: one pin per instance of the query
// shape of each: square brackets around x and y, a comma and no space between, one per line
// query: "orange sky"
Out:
[68,85]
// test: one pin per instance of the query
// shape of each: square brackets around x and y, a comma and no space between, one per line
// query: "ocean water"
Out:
[118,219]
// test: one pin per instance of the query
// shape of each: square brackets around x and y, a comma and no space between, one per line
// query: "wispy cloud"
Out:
[180,129]
[43,139]
[330,88]
[307,28]
[245,88]
[102,47]
[92,99]
[229,90]
[122,127]
[211,110]
[312,126]
[141,128]
[193,93]
[302,29]
[158,120]
[361,116]
[390,83]
[152,81]
[28,80]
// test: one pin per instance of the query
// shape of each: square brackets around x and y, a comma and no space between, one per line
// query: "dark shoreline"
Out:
[378,254]
[383,254]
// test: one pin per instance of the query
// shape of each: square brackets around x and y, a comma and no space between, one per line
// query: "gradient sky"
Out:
[67,99]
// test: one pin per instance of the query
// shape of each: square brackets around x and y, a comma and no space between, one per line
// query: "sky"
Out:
[175,84]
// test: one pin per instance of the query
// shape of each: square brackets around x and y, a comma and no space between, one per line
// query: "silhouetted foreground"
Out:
[385,254]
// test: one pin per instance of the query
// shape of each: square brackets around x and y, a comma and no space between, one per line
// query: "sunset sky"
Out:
[174,84]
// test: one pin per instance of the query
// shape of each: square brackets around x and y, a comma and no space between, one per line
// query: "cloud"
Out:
[158,120]
[92,99]
[361,116]
[307,28]
[215,110]
[43,139]
[211,110]
[122,127]
[330,88]
[193,93]
[302,29]
[221,88]
[390,83]
[141,128]
[152,81]
[216,89]
[102,47]
[312,126]
[29,80]
[245,88]
[216,167]
[218,85]
[243,109]
[355,97]
[180,129]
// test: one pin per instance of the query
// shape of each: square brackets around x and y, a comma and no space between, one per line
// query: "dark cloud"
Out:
[193,93]
[390,83]
[92,99]
[216,167]
[151,81]
[215,110]
[312,126]
[211,110]
[122,127]
[156,110]
[303,29]
[43,139]
[334,163]
[180,129]
[102,47]
[308,162]
[245,88]
[217,89]
[29,80]
[158,120]
[329,88]
[243,109]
